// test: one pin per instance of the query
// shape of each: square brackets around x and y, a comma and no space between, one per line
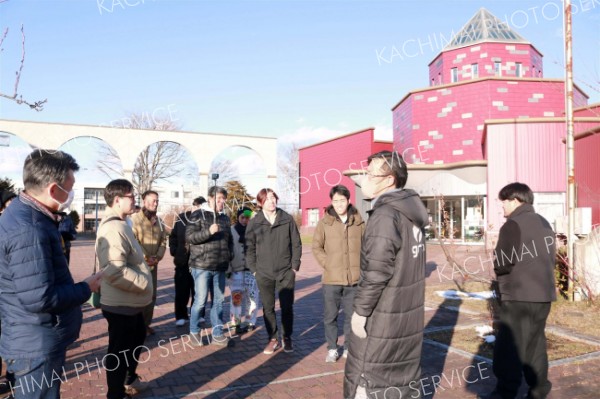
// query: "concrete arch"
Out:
[82,149]
[235,146]
[248,165]
[13,152]
[128,143]
[187,151]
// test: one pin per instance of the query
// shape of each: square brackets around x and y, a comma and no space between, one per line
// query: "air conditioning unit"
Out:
[582,222]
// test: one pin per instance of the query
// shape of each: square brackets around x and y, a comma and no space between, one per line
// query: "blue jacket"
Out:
[39,301]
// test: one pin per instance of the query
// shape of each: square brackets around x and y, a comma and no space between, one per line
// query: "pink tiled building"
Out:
[489,117]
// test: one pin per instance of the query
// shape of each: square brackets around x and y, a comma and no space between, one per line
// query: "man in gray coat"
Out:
[387,324]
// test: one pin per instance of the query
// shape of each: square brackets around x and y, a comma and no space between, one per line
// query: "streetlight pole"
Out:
[570,145]
[215,177]
[96,221]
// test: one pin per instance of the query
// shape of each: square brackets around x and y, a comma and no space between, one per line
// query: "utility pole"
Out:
[570,146]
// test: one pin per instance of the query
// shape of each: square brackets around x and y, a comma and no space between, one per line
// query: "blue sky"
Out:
[301,69]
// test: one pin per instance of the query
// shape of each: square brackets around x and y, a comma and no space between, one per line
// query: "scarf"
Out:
[35,204]
[241,230]
[151,216]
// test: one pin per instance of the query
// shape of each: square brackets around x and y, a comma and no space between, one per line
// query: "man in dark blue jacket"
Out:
[39,301]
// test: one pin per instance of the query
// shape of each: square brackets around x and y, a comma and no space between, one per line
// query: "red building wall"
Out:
[322,165]
[485,55]
[592,110]
[535,154]
[445,123]
[532,153]
[587,176]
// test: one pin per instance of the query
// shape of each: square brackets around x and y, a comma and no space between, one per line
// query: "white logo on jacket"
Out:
[418,234]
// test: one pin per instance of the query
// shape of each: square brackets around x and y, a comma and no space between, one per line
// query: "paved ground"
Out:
[177,370]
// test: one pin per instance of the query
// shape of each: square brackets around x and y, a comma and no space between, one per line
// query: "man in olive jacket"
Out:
[336,246]
[387,324]
[152,236]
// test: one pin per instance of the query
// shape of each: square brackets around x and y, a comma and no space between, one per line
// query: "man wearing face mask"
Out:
[40,303]
[384,353]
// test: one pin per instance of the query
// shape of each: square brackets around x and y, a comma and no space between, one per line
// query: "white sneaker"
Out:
[345,355]
[180,322]
[332,356]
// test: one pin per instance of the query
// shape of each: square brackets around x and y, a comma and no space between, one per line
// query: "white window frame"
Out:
[498,68]
[453,75]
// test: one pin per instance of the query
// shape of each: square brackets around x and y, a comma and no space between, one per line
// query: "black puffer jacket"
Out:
[177,246]
[272,250]
[390,293]
[209,252]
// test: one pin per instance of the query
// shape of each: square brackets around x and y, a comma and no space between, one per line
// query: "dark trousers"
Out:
[184,289]
[126,335]
[520,349]
[333,297]
[149,310]
[284,288]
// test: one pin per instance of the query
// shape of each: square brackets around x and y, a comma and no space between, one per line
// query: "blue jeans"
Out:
[37,378]
[202,280]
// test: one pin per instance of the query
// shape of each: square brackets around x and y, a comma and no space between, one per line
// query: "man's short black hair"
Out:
[519,191]
[149,192]
[43,167]
[214,190]
[199,201]
[341,190]
[117,188]
[393,165]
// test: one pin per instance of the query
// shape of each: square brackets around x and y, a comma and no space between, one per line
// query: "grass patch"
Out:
[468,340]
[583,317]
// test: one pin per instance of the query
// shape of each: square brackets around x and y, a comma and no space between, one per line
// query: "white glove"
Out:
[358,325]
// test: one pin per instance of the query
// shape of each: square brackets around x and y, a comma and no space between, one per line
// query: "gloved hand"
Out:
[358,323]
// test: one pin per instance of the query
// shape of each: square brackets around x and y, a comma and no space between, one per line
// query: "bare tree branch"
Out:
[288,173]
[3,37]
[16,97]
[159,161]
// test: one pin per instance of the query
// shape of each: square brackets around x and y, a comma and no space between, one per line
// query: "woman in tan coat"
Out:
[336,246]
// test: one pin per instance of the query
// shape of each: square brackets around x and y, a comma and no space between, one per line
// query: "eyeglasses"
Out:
[131,196]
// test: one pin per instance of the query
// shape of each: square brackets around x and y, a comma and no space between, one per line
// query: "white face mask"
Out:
[64,205]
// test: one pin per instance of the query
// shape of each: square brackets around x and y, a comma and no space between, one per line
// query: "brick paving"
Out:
[178,370]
